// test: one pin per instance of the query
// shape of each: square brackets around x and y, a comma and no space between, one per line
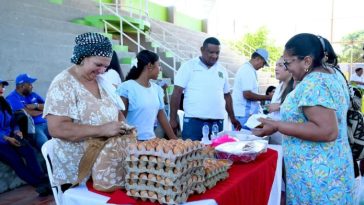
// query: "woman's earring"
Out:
[306,70]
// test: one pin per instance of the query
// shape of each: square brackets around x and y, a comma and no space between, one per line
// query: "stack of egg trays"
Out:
[215,176]
[166,177]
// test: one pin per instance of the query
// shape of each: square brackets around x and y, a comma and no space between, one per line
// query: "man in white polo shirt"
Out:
[245,91]
[206,92]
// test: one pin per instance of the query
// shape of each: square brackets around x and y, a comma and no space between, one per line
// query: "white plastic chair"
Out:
[48,153]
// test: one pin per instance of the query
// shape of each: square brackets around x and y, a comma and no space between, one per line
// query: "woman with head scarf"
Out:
[79,111]
[317,155]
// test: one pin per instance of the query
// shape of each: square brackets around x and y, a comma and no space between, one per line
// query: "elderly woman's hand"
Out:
[269,127]
[111,129]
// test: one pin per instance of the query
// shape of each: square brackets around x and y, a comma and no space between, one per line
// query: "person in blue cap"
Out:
[17,152]
[245,91]
[23,98]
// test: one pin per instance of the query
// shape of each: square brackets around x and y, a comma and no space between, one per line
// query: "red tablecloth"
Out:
[249,184]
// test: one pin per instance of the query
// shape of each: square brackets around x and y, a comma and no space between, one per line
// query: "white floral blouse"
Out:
[68,97]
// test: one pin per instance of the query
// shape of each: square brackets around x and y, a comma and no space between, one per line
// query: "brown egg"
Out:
[150,147]
[133,192]
[166,149]
[168,181]
[151,177]
[143,158]
[133,158]
[177,150]
[152,194]
[160,160]
[152,159]
[159,148]
[168,198]
[143,176]
[176,170]
[141,146]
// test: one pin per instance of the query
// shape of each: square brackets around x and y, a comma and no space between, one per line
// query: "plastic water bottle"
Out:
[205,134]
[214,131]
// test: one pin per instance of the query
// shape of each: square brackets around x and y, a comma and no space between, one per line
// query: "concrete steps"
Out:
[47,10]
[37,38]
[35,22]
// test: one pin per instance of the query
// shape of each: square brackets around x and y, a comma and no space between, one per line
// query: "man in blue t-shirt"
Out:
[23,98]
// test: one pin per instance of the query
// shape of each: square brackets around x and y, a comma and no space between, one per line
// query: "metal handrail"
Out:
[181,56]
[178,42]
[136,43]
[139,31]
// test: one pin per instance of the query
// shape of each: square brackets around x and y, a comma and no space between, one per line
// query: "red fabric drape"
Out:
[248,183]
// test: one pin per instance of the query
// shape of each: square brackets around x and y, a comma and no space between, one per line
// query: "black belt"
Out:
[205,120]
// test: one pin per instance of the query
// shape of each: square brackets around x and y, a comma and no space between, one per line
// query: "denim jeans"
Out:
[24,162]
[41,135]
[192,127]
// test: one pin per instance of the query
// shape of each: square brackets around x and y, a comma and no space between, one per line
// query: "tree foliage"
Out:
[352,51]
[247,44]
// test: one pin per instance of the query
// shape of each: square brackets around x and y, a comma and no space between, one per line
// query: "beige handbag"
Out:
[106,157]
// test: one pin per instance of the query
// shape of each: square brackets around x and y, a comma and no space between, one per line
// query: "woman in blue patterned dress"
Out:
[317,155]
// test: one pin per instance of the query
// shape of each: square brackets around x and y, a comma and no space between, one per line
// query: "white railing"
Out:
[179,50]
[137,44]
[176,43]
[115,10]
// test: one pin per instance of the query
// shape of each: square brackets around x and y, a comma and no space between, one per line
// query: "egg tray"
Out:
[198,188]
[212,181]
[186,187]
[171,172]
[166,166]
[162,177]
[209,151]
[168,159]
[135,152]
[216,166]
[211,173]
[145,160]
[162,199]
